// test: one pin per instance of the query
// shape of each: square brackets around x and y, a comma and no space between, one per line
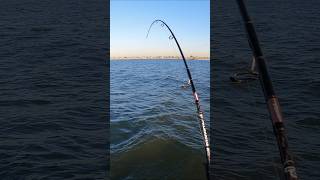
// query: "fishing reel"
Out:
[247,75]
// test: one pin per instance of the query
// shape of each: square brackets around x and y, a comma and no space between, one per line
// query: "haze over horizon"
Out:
[130,21]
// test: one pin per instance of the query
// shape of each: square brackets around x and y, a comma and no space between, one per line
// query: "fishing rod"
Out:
[195,95]
[270,97]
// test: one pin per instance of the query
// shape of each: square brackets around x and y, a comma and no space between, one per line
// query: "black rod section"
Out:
[270,97]
[196,100]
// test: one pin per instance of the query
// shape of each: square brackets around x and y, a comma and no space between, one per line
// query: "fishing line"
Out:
[195,95]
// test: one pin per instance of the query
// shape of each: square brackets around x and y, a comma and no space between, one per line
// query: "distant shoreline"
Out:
[129,59]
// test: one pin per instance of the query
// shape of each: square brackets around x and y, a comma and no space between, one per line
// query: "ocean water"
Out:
[54,86]
[289,33]
[53,89]
[154,128]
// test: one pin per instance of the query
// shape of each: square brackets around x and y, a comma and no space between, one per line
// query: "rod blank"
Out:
[270,97]
[195,95]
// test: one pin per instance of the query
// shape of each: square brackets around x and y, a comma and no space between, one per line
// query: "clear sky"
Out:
[130,20]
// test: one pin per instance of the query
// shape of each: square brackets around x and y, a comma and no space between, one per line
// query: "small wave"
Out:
[24,102]
[41,29]
[175,160]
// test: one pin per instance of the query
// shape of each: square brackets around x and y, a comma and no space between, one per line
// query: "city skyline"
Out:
[161,57]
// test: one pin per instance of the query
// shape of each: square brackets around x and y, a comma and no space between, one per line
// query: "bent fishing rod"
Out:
[270,97]
[195,95]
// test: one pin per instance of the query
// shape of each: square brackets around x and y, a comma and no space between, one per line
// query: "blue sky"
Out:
[130,20]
